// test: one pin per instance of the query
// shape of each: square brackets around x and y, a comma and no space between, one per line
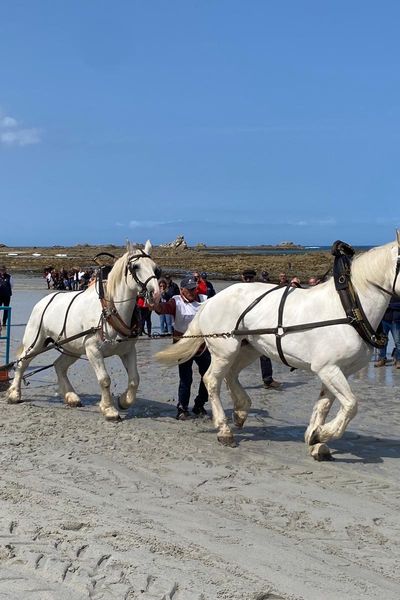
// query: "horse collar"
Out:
[343,254]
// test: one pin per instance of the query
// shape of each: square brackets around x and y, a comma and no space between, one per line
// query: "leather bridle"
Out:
[133,265]
[110,312]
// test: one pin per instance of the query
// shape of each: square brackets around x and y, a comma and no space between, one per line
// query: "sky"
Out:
[231,122]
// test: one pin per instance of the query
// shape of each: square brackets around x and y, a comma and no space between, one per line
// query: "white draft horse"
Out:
[64,315]
[332,352]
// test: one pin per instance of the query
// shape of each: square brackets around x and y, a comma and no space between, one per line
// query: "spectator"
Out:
[210,287]
[249,275]
[145,315]
[313,281]
[165,320]
[201,285]
[265,276]
[391,323]
[81,274]
[75,279]
[5,291]
[172,287]
[282,279]
[183,307]
[295,282]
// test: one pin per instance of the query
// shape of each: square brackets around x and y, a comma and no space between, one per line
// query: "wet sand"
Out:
[156,509]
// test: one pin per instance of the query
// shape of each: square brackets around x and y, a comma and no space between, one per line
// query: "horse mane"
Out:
[116,274]
[370,265]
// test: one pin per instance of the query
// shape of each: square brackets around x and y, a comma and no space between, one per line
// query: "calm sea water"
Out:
[252,250]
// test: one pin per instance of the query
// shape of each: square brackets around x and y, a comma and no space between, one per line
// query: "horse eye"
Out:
[133,266]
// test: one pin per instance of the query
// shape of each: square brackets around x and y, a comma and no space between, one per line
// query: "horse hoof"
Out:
[72,400]
[313,437]
[227,440]
[239,420]
[74,404]
[12,399]
[111,414]
[122,404]
[321,452]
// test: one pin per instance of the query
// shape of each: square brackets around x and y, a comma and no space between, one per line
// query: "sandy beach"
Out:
[155,509]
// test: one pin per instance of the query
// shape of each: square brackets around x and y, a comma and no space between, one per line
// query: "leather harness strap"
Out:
[113,318]
[343,254]
[355,314]
[280,330]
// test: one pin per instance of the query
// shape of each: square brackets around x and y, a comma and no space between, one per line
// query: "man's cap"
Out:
[249,273]
[189,283]
[203,275]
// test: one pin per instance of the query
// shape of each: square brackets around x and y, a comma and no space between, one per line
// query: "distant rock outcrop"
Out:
[180,243]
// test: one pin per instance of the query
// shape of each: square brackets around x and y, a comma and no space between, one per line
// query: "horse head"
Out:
[141,272]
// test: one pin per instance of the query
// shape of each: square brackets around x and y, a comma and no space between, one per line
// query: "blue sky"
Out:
[230,122]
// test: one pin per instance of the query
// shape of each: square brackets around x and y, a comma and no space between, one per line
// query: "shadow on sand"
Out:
[367,448]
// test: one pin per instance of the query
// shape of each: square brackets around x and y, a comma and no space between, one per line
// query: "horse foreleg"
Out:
[213,380]
[240,398]
[336,383]
[128,398]
[319,414]
[97,361]
[13,394]
[61,365]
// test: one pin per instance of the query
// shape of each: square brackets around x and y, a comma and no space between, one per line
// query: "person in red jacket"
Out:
[145,315]
[201,289]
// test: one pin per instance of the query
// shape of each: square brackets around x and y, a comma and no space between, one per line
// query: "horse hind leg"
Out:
[61,365]
[240,398]
[213,380]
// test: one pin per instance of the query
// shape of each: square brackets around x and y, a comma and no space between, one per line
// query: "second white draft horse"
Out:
[102,324]
[333,351]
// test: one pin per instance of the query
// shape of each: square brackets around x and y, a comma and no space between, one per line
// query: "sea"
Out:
[260,251]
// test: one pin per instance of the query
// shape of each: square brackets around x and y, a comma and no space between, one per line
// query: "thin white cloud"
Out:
[312,222]
[138,224]
[8,122]
[13,134]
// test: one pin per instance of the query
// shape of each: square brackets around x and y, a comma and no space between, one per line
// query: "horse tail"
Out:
[184,349]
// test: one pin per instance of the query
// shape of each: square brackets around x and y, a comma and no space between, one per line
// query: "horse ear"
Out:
[148,247]
[129,247]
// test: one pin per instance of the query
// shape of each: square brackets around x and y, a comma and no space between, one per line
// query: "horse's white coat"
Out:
[332,352]
[85,312]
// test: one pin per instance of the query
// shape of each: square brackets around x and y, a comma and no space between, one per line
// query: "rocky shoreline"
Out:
[175,261]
